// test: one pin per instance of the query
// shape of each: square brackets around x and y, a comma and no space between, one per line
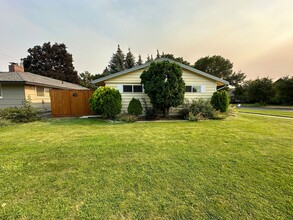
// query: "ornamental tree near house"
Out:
[164,85]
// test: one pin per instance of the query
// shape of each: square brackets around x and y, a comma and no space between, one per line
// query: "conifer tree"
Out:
[148,59]
[116,63]
[158,55]
[129,60]
[139,62]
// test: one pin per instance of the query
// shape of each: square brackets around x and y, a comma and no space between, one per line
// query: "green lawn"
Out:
[238,168]
[283,113]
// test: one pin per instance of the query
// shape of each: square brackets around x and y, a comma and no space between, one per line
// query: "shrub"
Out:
[106,101]
[220,100]
[26,113]
[150,112]
[128,118]
[197,110]
[4,122]
[134,107]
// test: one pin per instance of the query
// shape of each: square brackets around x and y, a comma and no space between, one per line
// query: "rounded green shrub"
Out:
[134,107]
[106,101]
[220,100]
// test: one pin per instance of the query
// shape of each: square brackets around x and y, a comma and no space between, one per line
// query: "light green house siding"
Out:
[208,87]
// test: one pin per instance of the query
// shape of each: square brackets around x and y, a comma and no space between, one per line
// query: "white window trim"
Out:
[202,88]
[1,92]
[120,88]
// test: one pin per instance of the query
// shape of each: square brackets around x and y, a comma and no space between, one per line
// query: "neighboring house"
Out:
[17,86]
[198,84]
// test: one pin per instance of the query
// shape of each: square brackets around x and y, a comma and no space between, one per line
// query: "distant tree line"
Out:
[265,91]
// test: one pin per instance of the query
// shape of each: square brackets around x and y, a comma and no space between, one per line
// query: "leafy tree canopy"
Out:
[215,65]
[172,57]
[284,90]
[52,61]
[164,85]
[260,90]
[236,79]
[86,78]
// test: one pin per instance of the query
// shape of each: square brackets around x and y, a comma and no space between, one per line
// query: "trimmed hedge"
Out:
[135,107]
[106,101]
[220,100]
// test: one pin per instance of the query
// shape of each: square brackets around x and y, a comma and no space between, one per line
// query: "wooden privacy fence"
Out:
[70,102]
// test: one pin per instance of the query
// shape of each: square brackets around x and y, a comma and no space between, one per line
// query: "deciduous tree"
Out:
[215,65]
[52,61]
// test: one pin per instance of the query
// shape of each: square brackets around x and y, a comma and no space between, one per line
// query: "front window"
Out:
[193,88]
[127,88]
[132,88]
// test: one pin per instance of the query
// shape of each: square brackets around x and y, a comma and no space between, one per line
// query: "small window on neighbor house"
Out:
[0,91]
[127,88]
[40,91]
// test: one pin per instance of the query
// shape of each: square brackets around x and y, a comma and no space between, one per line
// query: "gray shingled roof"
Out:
[159,60]
[34,79]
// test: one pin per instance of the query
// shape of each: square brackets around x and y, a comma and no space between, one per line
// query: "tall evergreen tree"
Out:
[139,62]
[129,60]
[52,61]
[158,55]
[116,63]
[148,59]
[106,72]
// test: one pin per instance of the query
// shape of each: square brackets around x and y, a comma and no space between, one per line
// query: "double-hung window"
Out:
[130,88]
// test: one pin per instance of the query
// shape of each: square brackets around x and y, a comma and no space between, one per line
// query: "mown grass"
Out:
[284,113]
[238,168]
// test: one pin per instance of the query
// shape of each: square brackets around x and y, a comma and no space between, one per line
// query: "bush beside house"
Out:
[26,113]
[106,101]
[220,100]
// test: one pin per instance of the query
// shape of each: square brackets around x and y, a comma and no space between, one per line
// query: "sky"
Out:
[255,35]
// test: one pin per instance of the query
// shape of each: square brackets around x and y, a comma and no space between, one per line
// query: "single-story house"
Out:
[198,84]
[17,86]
